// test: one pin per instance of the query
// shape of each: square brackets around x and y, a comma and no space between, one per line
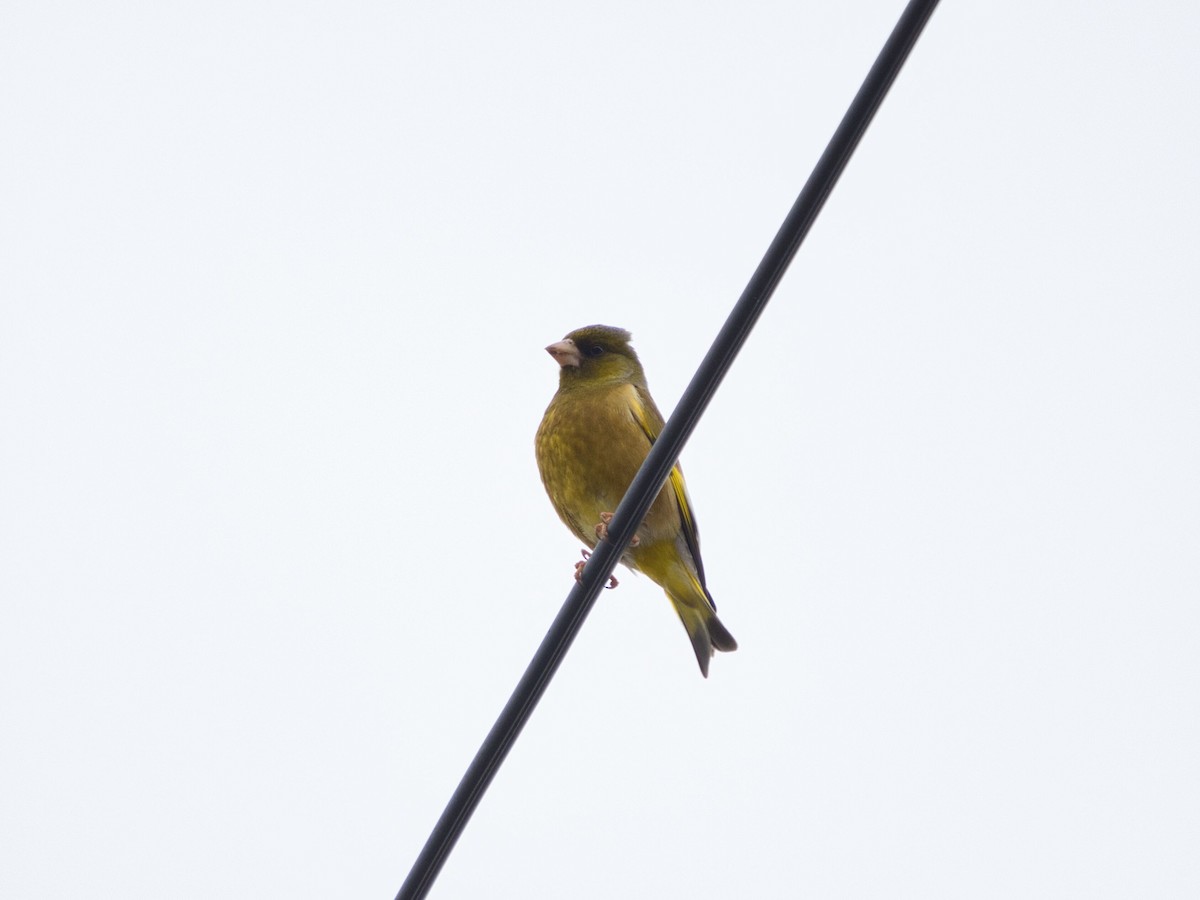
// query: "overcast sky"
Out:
[275,284]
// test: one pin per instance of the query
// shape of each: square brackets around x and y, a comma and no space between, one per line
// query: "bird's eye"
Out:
[594,350]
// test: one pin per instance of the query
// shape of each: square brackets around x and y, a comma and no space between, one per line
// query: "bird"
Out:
[592,440]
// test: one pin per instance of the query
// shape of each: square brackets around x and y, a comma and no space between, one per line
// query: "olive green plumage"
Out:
[594,437]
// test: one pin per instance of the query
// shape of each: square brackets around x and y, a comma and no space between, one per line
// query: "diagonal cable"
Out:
[654,471]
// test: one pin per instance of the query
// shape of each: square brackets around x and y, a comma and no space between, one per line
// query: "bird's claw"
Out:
[602,529]
[612,579]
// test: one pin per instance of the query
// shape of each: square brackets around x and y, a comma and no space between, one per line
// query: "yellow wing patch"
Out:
[646,414]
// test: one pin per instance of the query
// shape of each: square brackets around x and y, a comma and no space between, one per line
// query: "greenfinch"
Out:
[592,440]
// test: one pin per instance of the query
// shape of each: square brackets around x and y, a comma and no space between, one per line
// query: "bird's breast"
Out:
[589,448]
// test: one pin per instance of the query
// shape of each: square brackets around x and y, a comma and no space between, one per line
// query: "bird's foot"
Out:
[612,579]
[602,529]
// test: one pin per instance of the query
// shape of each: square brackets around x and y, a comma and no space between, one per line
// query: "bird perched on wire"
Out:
[593,439]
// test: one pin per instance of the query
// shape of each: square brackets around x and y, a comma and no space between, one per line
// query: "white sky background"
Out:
[276,281]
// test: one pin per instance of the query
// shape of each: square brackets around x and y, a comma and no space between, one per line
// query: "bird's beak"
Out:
[565,353]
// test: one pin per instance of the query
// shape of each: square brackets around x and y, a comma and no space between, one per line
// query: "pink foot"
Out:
[612,579]
[602,529]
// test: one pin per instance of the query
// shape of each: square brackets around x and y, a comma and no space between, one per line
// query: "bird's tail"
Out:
[707,633]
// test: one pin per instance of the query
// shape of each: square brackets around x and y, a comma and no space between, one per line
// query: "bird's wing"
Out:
[646,414]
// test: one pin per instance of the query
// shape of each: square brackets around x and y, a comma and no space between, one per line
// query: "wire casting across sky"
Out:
[666,450]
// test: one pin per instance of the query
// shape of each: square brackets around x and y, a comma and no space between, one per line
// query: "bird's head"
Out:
[595,354]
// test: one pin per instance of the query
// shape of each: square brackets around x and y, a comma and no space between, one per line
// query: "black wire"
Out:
[666,450]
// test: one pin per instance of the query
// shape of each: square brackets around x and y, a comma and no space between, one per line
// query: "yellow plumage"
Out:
[592,440]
